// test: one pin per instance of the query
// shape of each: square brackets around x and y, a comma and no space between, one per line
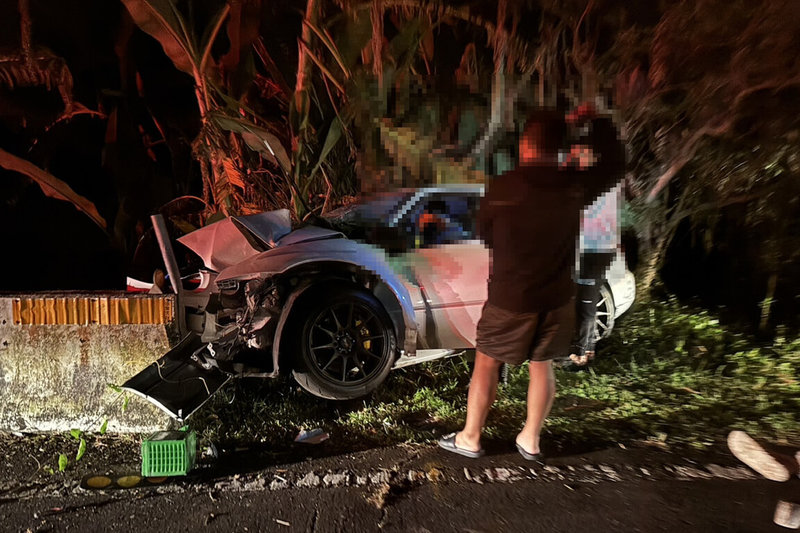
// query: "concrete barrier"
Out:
[59,352]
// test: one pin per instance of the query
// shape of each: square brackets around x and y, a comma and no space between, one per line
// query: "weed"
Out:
[670,375]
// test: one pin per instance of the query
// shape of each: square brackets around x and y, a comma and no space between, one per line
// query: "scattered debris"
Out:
[415,477]
[502,474]
[211,451]
[734,472]
[380,477]
[687,472]
[378,498]
[278,483]
[335,480]
[309,480]
[311,436]
[434,475]
[256,484]
[283,522]
[610,473]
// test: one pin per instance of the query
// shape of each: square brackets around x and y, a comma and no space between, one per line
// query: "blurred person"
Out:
[530,219]
[433,223]
[776,464]
[599,238]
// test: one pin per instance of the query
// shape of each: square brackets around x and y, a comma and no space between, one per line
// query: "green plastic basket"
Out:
[169,453]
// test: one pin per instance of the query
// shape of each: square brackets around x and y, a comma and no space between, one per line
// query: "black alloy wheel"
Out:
[347,344]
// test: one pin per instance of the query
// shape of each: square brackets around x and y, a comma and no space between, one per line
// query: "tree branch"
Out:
[691,146]
[687,154]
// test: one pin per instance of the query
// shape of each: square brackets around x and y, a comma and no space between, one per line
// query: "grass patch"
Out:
[669,373]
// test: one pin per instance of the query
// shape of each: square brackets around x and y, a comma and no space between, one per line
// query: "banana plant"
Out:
[37,67]
[225,176]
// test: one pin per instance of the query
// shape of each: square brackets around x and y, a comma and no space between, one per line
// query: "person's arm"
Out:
[610,166]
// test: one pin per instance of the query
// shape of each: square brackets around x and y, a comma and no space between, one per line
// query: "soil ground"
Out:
[400,488]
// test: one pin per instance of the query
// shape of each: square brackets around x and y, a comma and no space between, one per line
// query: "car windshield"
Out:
[383,205]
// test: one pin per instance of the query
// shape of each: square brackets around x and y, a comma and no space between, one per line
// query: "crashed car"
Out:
[405,286]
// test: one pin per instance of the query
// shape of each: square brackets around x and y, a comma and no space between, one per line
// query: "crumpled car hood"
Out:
[233,240]
[220,245]
[277,260]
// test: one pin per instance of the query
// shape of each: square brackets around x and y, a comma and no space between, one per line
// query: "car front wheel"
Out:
[346,344]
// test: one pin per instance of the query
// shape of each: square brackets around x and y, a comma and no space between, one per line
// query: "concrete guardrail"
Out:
[60,351]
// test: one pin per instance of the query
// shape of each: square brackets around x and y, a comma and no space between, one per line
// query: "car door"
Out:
[451,268]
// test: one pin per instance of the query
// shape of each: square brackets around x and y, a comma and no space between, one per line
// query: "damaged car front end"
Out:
[310,301]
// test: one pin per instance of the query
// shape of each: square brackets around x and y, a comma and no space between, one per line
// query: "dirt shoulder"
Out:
[399,488]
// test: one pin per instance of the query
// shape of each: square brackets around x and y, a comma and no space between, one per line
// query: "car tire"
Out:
[345,344]
[604,316]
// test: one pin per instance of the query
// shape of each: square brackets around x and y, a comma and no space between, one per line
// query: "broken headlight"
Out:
[228,285]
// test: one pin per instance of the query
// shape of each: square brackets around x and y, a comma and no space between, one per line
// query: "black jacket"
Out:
[530,218]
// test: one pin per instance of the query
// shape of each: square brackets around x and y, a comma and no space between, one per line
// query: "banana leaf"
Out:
[51,186]
[334,134]
[162,20]
[256,138]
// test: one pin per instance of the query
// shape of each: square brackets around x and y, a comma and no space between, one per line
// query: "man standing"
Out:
[530,218]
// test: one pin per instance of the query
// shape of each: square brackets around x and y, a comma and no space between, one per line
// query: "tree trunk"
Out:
[766,304]
[650,266]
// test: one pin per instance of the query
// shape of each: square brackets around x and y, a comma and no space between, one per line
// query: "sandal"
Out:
[448,442]
[580,360]
[538,457]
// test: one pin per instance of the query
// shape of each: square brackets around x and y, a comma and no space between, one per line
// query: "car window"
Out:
[381,206]
[442,218]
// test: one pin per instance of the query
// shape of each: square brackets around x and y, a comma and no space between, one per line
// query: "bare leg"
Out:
[482,393]
[541,391]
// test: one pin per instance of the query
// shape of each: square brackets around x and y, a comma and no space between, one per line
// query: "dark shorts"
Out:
[516,337]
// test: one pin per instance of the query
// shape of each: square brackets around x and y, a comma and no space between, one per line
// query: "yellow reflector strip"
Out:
[101,309]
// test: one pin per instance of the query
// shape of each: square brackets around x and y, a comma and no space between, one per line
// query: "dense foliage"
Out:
[254,104]
[671,376]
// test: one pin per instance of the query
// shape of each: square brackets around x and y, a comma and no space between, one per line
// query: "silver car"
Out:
[339,313]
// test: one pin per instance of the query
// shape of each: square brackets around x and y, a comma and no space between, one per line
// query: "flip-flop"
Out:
[538,457]
[787,514]
[751,453]
[579,360]
[448,442]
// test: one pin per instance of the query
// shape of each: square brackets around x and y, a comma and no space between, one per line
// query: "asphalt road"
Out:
[418,489]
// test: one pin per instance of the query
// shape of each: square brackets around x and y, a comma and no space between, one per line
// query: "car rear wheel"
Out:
[346,344]
[604,316]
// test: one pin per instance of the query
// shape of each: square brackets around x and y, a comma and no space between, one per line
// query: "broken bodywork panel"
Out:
[256,269]
[181,381]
